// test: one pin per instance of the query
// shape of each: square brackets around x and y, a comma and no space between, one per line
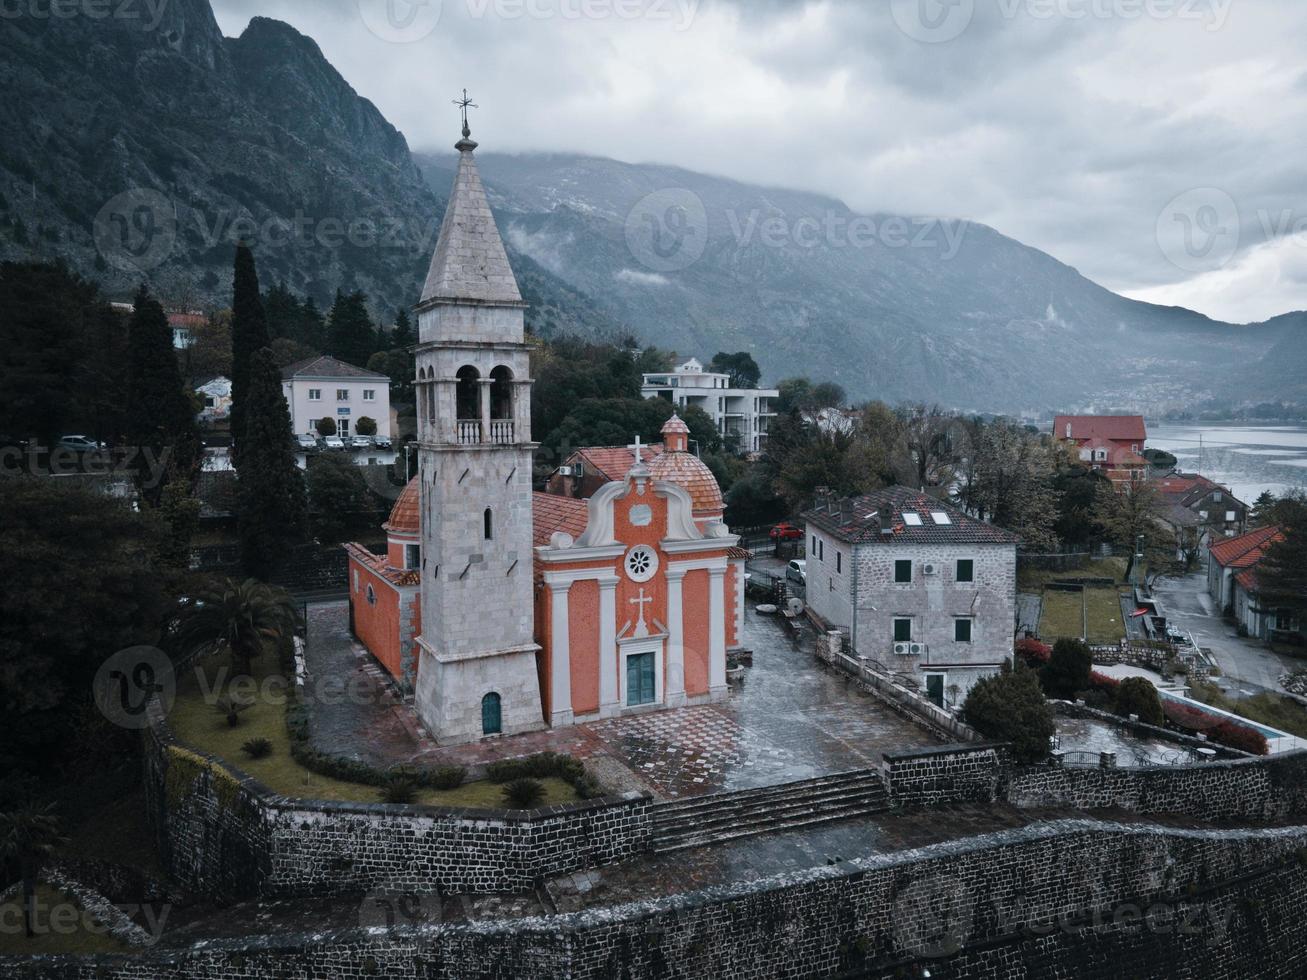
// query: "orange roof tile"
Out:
[405,516]
[1117,428]
[689,471]
[550,513]
[614,462]
[1246,550]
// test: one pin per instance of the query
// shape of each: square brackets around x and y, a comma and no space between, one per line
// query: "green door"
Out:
[640,678]
[491,721]
[935,688]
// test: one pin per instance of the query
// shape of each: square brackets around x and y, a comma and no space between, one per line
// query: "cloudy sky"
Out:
[1155,145]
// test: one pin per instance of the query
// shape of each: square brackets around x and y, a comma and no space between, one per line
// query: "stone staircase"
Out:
[729,816]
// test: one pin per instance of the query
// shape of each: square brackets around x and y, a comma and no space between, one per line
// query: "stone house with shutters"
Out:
[918,586]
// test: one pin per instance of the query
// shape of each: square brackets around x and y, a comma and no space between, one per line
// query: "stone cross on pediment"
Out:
[642,600]
[636,447]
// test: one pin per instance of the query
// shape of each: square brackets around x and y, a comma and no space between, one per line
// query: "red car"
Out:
[786,532]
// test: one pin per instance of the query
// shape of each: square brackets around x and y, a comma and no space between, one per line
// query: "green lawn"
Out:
[199,725]
[1031,580]
[61,926]
[1063,616]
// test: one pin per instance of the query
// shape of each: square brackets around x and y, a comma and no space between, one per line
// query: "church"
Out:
[507,610]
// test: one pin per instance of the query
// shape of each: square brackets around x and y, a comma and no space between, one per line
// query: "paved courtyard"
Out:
[790,718]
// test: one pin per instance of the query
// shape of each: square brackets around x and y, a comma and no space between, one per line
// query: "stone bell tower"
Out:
[477,663]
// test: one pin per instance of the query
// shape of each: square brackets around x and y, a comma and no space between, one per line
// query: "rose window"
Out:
[641,563]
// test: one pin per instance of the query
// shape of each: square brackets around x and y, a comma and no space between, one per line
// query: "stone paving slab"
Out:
[791,718]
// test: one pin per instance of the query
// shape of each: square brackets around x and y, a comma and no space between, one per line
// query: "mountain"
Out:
[892,307]
[138,151]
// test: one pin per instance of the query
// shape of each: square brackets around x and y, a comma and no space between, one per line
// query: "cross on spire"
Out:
[465,103]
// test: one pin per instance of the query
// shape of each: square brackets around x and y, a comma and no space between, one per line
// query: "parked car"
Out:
[797,571]
[306,441]
[786,531]
[80,444]
[381,442]
[361,442]
[332,442]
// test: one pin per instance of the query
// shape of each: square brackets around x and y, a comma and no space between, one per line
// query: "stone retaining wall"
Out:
[1260,789]
[1032,902]
[224,835]
[937,777]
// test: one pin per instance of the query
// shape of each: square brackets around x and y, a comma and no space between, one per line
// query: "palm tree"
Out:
[29,836]
[245,618]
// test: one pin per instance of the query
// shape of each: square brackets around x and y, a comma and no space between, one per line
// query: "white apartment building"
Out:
[323,387]
[742,413]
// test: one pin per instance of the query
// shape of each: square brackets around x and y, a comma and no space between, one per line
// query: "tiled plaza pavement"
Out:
[789,719]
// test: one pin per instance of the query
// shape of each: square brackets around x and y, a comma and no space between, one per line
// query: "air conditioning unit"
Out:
[566,471]
[917,649]
[930,569]
[902,649]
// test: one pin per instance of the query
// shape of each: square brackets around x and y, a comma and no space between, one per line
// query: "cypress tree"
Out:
[350,334]
[249,333]
[160,414]
[270,485]
[403,335]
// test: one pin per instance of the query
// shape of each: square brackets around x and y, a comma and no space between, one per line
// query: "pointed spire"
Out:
[470,264]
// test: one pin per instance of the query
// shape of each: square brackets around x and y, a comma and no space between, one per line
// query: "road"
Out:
[1247,663]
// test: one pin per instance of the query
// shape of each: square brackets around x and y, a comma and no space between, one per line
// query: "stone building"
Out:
[919,586]
[508,610]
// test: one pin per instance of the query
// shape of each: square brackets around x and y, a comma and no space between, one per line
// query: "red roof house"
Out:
[1111,443]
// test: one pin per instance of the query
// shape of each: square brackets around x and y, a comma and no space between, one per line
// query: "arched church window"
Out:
[372,596]
[488,519]
[501,393]
[492,722]
[468,393]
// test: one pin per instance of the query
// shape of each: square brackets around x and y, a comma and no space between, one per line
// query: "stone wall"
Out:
[1260,789]
[1065,898]
[937,777]
[224,835]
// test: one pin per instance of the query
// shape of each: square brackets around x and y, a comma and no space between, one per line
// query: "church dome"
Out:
[689,472]
[404,516]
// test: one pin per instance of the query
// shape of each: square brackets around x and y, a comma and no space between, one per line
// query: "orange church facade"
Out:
[638,590]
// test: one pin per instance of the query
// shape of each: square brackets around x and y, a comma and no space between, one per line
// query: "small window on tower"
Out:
[489,524]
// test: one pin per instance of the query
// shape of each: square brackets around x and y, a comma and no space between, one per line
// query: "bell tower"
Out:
[477,672]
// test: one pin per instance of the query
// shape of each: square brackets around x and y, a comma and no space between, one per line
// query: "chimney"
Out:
[821,498]
[846,510]
[886,523]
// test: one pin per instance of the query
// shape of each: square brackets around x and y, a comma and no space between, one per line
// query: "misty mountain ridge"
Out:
[259,136]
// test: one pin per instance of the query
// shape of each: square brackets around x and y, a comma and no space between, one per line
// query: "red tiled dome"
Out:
[405,515]
[688,471]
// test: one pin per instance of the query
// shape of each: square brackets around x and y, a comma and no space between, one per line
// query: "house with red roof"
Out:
[1199,511]
[1113,444]
[589,468]
[1232,581]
